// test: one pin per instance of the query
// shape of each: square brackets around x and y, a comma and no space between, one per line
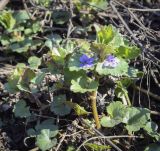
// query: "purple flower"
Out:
[86,62]
[111,61]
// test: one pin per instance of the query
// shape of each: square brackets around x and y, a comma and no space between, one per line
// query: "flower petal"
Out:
[83,58]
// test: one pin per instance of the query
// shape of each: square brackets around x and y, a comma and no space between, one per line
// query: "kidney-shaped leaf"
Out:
[44,141]
[59,106]
[21,110]
[119,70]
[34,62]
[83,84]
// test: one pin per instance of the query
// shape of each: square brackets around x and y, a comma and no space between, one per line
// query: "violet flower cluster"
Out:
[111,61]
[86,62]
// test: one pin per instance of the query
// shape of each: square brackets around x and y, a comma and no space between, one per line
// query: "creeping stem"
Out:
[93,97]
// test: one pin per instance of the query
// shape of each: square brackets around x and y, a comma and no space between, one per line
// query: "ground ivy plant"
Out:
[79,66]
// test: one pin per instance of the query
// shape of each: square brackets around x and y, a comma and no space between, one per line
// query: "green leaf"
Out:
[136,118]
[59,106]
[151,129]
[119,70]
[31,132]
[121,88]
[71,148]
[47,124]
[60,16]
[21,16]
[38,78]
[36,27]
[83,84]
[108,122]
[44,141]
[153,147]
[11,85]
[116,110]
[79,110]
[5,40]
[54,38]
[74,63]
[109,35]
[70,75]
[96,147]
[21,110]
[34,62]
[97,4]
[44,3]
[128,52]
[102,50]
[132,72]
[7,20]
[22,46]
[25,79]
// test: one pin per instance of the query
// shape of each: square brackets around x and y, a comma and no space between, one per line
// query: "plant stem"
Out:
[93,97]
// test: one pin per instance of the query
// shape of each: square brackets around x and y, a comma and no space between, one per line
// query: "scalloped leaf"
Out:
[25,79]
[34,62]
[70,75]
[59,106]
[116,110]
[21,16]
[60,16]
[108,122]
[74,63]
[102,49]
[7,20]
[38,78]
[110,35]
[136,118]
[47,124]
[11,85]
[83,84]
[128,52]
[21,110]
[44,141]
[151,128]
[119,70]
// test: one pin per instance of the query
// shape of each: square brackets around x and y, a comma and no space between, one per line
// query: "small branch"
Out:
[108,138]
[100,134]
[93,97]
[144,49]
[144,10]
[155,96]
[27,10]
[60,143]
[155,113]
[3,3]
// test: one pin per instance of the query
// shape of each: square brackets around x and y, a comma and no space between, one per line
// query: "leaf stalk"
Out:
[93,97]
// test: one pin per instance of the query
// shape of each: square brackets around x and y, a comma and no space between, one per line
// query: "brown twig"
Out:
[155,96]
[146,51]
[27,10]
[60,142]
[101,135]
[3,3]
